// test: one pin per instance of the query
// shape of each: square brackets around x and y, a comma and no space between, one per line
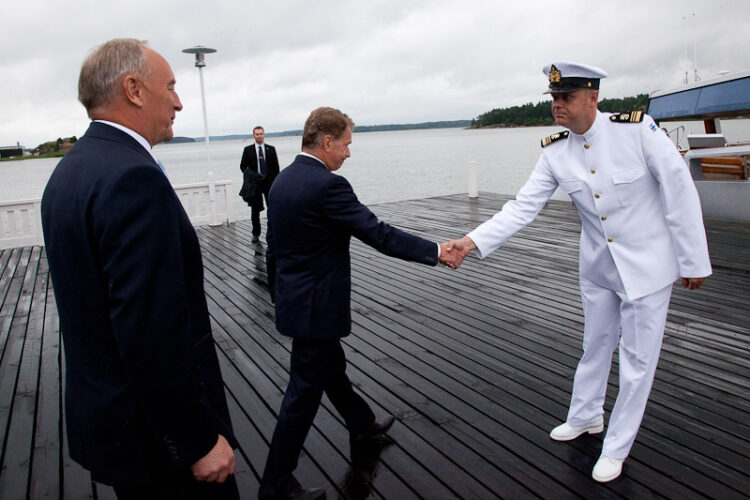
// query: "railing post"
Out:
[37,214]
[473,180]
[212,200]
[228,202]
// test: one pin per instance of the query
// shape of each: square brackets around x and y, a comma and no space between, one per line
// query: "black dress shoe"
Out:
[300,493]
[376,429]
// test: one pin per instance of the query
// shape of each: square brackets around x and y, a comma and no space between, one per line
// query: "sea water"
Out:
[383,167]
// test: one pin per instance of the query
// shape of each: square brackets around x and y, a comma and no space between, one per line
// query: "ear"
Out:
[594,97]
[133,90]
[327,142]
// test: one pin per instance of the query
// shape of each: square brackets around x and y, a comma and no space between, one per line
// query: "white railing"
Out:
[205,205]
[21,223]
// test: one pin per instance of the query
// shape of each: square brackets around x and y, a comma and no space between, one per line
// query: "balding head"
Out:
[127,83]
[100,82]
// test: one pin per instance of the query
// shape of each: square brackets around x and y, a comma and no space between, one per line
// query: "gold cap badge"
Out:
[554,75]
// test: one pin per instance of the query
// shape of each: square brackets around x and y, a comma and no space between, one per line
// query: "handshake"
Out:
[452,253]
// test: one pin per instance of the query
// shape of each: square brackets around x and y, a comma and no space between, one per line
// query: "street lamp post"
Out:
[200,63]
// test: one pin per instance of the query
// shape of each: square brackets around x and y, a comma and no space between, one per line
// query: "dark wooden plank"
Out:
[10,281]
[16,454]
[28,322]
[76,481]
[104,492]
[47,457]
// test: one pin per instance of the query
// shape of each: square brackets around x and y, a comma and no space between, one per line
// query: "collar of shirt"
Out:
[311,156]
[135,135]
[258,146]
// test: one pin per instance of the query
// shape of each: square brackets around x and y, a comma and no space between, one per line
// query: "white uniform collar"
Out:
[594,128]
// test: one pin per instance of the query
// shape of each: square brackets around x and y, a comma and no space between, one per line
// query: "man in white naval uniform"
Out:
[642,229]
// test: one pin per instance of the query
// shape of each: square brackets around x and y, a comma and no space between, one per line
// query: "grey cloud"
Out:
[382,61]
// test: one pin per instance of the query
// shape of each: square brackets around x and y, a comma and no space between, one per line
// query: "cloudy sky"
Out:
[380,61]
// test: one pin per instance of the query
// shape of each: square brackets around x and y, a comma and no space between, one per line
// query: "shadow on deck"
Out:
[477,365]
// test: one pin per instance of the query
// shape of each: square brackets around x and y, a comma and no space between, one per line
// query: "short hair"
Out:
[259,127]
[103,71]
[322,122]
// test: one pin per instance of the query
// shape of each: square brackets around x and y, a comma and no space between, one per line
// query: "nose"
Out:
[177,103]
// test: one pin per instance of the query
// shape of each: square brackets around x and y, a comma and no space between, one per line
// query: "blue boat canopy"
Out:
[725,96]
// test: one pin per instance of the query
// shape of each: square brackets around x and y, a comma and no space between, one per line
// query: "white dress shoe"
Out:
[566,432]
[607,469]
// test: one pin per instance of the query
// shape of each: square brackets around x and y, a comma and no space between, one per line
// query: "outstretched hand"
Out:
[452,253]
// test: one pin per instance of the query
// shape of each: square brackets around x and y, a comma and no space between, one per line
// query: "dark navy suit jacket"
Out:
[312,215]
[143,389]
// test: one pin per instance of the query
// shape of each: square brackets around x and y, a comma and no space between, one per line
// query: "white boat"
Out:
[719,169]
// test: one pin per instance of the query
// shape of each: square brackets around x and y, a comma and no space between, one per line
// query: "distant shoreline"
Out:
[57,154]
[357,128]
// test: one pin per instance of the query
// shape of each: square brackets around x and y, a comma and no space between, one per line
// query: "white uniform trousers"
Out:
[642,323]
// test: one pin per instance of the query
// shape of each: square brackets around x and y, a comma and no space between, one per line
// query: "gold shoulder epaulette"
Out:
[632,117]
[554,137]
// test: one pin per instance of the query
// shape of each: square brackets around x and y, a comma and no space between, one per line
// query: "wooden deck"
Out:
[477,364]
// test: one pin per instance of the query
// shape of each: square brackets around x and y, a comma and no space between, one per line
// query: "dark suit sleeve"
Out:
[248,159]
[141,249]
[344,209]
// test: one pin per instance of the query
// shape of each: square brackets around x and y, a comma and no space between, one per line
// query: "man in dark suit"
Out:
[260,158]
[145,404]
[313,213]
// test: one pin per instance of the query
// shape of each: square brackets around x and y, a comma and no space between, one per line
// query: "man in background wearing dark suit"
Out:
[260,158]
[312,215]
[144,400]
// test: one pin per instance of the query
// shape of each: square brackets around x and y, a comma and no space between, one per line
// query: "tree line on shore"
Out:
[49,149]
[540,114]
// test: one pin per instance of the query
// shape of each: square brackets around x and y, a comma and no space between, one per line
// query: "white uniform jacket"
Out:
[642,226]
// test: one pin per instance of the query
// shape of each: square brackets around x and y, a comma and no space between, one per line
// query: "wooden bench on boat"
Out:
[724,168]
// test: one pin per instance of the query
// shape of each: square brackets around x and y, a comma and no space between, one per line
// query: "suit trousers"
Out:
[316,367]
[255,215]
[641,321]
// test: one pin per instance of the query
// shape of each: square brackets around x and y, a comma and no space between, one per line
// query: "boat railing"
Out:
[676,138]
[205,203]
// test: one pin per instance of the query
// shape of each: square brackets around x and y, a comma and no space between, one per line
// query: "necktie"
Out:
[261,161]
